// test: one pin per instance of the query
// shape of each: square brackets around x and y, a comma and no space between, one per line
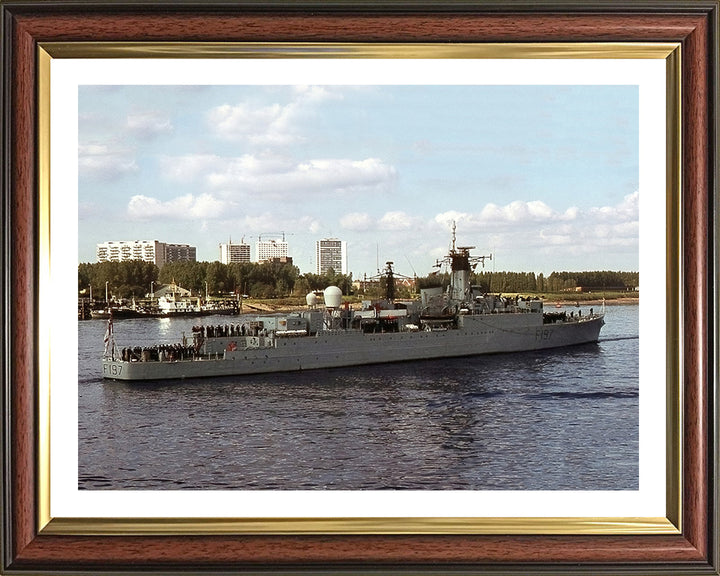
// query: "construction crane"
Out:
[283,234]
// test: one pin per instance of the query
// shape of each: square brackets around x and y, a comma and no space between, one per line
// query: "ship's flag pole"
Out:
[110,338]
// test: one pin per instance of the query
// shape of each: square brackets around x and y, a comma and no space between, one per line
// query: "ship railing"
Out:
[290,333]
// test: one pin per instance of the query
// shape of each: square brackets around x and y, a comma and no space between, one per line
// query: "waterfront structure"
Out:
[232,253]
[330,253]
[173,289]
[159,253]
[268,250]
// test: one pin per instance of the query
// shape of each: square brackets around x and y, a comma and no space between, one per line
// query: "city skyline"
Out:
[545,178]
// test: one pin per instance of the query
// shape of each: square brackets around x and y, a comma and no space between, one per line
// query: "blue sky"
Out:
[544,177]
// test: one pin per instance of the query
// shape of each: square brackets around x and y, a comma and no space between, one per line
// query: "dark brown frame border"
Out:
[693,23]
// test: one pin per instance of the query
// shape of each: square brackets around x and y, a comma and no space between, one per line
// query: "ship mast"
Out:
[388,276]
[461,266]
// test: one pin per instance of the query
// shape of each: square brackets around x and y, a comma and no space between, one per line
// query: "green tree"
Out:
[123,279]
[216,276]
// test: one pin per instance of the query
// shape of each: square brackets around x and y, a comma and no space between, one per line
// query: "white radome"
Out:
[332,296]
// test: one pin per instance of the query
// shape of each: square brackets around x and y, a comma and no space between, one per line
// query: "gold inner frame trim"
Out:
[435,525]
[610,50]
[674,309]
[44,353]
[294,526]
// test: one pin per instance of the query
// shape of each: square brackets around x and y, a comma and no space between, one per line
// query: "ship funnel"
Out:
[332,296]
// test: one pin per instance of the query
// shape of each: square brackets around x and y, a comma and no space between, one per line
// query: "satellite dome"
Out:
[311,299]
[333,297]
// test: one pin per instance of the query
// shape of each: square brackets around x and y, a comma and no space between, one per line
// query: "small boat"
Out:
[120,312]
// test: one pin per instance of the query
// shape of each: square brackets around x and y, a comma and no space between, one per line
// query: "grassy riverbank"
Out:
[590,298]
[289,304]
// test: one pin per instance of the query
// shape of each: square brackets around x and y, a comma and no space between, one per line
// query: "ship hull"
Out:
[474,335]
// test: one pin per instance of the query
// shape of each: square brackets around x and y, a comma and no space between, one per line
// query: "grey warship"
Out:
[459,321]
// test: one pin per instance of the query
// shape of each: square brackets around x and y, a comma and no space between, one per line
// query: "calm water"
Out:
[554,420]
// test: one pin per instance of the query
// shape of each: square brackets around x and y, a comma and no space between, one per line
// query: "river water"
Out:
[562,419]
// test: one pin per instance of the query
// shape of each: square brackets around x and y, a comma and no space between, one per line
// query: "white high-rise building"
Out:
[231,253]
[159,253]
[330,253]
[271,249]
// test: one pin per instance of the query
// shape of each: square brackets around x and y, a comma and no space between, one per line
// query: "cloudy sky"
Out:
[543,177]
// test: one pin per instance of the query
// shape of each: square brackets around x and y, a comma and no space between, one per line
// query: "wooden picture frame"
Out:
[692,548]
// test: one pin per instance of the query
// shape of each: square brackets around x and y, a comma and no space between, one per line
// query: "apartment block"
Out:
[330,253]
[159,253]
[268,250]
[231,253]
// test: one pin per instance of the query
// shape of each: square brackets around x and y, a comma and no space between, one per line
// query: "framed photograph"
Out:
[189,118]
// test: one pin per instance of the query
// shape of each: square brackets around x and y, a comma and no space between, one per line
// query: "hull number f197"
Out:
[112,369]
[542,334]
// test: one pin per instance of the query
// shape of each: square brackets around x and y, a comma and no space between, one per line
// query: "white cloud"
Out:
[551,237]
[570,214]
[398,221]
[512,214]
[357,221]
[393,221]
[445,219]
[260,222]
[189,167]
[280,176]
[269,124]
[628,209]
[148,124]
[316,94]
[101,162]
[340,175]
[534,225]
[187,207]
[87,210]
[517,212]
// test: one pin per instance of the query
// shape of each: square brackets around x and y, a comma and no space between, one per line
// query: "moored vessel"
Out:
[168,307]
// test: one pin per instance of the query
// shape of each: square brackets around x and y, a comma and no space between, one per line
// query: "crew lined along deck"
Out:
[209,342]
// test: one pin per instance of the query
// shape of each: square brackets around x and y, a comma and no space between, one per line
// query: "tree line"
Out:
[557,281]
[529,282]
[135,278]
